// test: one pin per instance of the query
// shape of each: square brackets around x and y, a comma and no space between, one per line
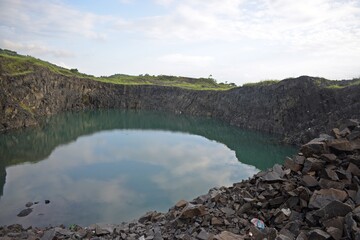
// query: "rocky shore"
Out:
[314,195]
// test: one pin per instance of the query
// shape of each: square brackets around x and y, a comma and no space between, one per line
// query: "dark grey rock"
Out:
[325,196]
[342,145]
[312,164]
[191,211]
[329,157]
[48,235]
[311,148]
[326,184]
[335,233]
[271,176]
[292,165]
[333,209]
[25,212]
[318,234]
[309,181]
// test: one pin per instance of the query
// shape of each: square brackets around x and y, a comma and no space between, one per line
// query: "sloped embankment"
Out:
[315,195]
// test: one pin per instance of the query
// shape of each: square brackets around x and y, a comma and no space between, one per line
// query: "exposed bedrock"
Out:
[298,109]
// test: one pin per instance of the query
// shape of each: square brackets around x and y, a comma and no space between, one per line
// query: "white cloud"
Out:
[35,49]
[299,23]
[278,36]
[164,2]
[51,19]
[179,58]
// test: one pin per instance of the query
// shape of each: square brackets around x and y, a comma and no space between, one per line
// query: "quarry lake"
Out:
[112,166]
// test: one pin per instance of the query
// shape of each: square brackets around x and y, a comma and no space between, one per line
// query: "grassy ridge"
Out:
[14,64]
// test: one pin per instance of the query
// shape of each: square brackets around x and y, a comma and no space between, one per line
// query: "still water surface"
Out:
[113,166]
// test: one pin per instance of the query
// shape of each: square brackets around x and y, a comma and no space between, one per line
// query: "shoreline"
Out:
[314,195]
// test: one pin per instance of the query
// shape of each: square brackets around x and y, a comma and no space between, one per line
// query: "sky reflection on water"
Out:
[113,166]
[114,176]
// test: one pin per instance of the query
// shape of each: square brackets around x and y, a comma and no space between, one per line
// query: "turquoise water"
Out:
[113,166]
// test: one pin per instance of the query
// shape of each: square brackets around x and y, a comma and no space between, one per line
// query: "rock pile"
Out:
[315,195]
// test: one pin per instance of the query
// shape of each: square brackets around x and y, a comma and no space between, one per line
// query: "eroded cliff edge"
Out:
[298,109]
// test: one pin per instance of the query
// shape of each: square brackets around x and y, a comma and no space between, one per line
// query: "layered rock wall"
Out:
[297,108]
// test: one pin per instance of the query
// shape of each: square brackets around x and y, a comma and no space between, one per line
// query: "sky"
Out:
[237,41]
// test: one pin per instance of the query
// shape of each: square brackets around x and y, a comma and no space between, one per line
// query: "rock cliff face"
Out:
[285,108]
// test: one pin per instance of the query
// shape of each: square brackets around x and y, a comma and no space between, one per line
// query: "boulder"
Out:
[292,165]
[225,235]
[340,145]
[309,181]
[329,157]
[333,209]
[191,211]
[318,234]
[311,148]
[312,164]
[322,197]
[180,204]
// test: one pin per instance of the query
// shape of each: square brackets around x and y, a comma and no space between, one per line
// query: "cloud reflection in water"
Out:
[115,176]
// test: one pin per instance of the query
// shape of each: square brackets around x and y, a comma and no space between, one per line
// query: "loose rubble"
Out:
[315,195]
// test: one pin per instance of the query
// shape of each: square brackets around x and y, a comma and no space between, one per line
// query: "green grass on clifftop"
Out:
[14,64]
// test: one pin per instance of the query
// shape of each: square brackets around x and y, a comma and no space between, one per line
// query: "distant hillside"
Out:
[14,64]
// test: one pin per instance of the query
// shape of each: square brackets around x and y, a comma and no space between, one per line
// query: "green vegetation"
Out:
[342,84]
[14,64]
[261,83]
[26,108]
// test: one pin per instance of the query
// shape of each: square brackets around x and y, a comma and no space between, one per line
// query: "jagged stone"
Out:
[203,235]
[299,159]
[356,214]
[351,231]
[350,124]
[271,176]
[225,235]
[329,157]
[302,236]
[346,131]
[244,208]
[327,184]
[340,145]
[352,168]
[333,209]
[324,196]
[335,233]
[355,144]
[312,164]
[228,211]
[318,234]
[330,174]
[216,221]
[354,135]
[292,165]
[48,235]
[311,148]
[309,181]
[336,133]
[191,211]
[181,204]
